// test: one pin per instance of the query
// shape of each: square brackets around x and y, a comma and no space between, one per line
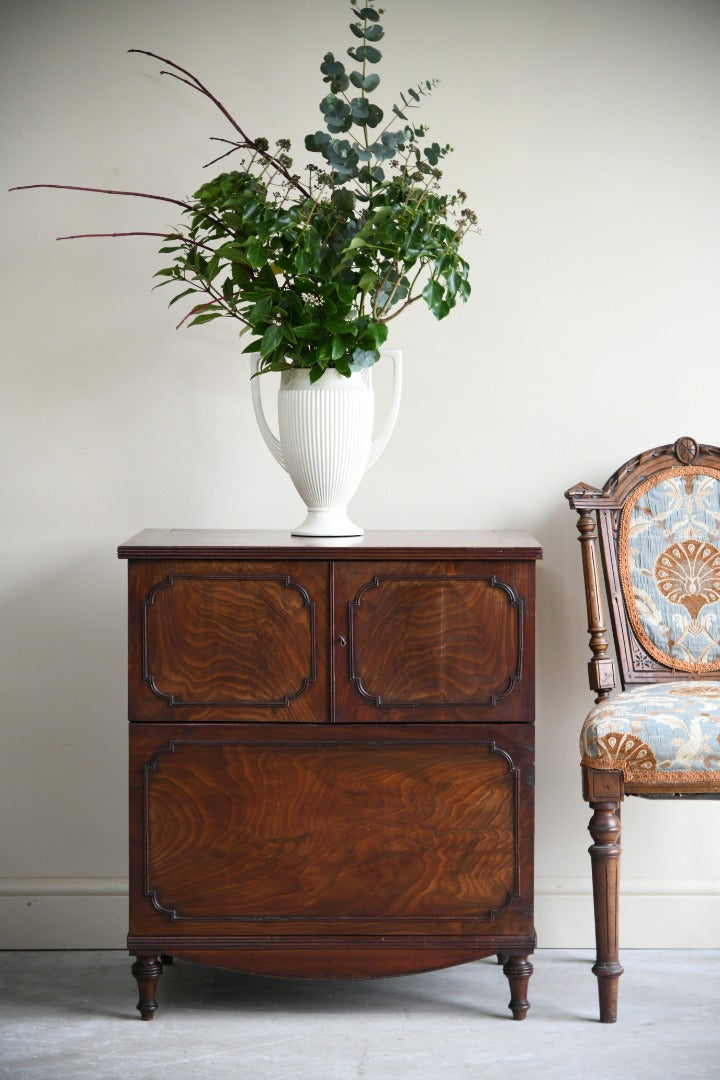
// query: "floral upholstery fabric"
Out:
[669,557]
[663,733]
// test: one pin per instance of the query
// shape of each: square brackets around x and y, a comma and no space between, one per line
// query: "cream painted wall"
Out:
[588,140]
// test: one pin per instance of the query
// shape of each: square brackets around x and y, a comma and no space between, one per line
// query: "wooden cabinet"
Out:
[331,753]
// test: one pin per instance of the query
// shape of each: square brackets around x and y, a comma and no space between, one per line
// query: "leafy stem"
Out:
[314,268]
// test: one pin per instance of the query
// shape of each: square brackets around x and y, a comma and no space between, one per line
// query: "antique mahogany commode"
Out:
[331,753]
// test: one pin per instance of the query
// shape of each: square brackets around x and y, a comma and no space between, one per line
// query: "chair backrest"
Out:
[658,527]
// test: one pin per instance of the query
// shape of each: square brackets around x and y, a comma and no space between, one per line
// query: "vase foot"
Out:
[333,522]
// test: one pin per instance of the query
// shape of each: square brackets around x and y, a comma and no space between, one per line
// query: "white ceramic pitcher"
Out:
[325,439]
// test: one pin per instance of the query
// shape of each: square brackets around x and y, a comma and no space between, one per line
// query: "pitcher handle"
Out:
[380,442]
[272,442]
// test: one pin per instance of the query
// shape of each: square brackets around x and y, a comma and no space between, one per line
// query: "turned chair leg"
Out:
[147,970]
[605,850]
[518,970]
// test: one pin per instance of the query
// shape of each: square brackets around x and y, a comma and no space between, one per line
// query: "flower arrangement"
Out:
[315,266]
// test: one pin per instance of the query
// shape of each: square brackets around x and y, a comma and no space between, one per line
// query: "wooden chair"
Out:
[657,524]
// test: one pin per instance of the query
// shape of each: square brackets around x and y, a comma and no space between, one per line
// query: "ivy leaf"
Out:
[272,337]
[261,311]
[256,254]
[253,347]
[432,295]
[368,281]
[308,331]
[344,200]
[337,348]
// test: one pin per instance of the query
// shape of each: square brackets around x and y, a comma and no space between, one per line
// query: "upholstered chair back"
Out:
[669,562]
[658,527]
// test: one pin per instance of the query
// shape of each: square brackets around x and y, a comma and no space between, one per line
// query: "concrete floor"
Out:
[68,1015]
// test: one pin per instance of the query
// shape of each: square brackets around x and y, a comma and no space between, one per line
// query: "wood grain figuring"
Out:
[233,640]
[213,640]
[237,832]
[331,753]
[444,641]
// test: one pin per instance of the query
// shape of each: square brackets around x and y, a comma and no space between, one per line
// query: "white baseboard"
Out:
[654,913]
[63,913]
[91,913]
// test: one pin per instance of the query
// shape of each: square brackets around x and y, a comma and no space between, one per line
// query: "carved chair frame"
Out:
[599,516]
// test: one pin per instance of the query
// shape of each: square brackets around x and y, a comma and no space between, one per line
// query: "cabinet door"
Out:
[434,641]
[274,832]
[228,641]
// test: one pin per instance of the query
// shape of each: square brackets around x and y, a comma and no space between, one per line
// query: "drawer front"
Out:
[434,641]
[239,641]
[310,833]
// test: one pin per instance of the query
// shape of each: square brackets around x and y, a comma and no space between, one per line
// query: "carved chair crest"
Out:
[657,522]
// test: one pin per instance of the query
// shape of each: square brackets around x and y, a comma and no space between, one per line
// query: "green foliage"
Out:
[315,268]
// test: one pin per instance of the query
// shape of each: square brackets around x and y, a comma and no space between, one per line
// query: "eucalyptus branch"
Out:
[315,267]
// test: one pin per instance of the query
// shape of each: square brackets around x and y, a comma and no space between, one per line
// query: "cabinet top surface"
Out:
[274,543]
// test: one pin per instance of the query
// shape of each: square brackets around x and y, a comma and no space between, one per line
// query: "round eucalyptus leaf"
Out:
[364,358]
[366,52]
[331,67]
[374,33]
[317,141]
[360,108]
[333,107]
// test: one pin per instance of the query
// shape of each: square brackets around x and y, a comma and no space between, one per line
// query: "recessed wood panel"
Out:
[363,831]
[429,641]
[228,640]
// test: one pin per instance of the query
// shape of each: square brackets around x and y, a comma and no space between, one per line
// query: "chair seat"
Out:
[664,735]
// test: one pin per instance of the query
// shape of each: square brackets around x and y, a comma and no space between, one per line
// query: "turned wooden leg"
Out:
[518,970]
[605,855]
[147,970]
